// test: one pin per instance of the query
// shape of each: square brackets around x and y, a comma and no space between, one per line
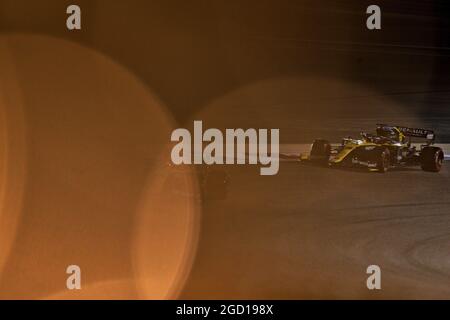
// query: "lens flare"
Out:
[95,133]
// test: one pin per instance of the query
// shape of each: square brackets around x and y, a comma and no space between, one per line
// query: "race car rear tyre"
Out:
[383,160]
[431,159]
[320,151]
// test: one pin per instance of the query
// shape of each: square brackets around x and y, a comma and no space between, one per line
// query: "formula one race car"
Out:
[389,147]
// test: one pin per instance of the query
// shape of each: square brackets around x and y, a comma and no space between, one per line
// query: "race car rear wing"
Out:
[414,132]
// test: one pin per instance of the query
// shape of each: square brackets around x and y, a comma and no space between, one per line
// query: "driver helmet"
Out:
[391,133]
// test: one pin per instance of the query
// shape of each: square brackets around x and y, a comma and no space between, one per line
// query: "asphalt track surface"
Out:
[311,232]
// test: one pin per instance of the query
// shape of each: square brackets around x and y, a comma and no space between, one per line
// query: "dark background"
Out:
[190,52]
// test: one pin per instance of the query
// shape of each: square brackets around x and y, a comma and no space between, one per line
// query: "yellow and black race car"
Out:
[390,146]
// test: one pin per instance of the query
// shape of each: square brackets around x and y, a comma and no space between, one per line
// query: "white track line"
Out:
[290,152]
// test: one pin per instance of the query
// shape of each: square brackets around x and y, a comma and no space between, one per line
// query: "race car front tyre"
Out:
[431,159]
[383,160]
[320,151]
